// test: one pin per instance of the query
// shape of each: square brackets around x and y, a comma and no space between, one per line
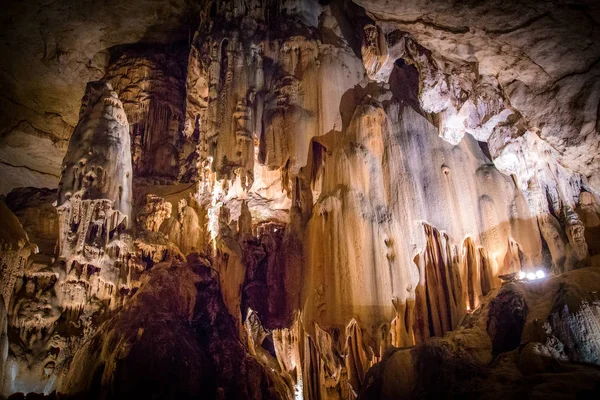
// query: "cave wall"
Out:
[356,182]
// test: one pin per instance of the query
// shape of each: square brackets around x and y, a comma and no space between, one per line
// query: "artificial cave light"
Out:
[540,274]
[530,276]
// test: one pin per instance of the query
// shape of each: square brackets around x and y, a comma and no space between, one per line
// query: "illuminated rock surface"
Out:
[300,199]
[535,329]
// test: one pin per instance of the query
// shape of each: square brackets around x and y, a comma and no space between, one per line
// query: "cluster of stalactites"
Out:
[91,230]
[320,365]
[256,101]
[466,102]
[451,282]
[15,250]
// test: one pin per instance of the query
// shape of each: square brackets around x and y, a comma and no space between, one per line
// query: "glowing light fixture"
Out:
[540,274]
[530,276]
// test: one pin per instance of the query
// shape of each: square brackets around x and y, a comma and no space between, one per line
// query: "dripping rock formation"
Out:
[300,199]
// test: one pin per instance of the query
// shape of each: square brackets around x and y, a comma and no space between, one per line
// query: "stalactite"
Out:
[471,268]
[403,326]
[358,360]
[442,285]
[151,85]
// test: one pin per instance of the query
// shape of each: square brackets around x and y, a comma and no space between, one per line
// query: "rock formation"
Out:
[530,332]
[61,296]
[302,199]
[187,347]
[150,83]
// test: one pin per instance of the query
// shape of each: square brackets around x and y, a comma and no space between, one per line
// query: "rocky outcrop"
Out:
[521,342]
[507,315]
[174,338]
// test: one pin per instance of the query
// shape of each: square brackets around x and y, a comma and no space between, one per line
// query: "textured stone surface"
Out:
[547,71]
[97,165]
[149,80]
[348,184]
[508,312]
[49,52]
[536,363]
[174,338]
[16,249]
[33,207]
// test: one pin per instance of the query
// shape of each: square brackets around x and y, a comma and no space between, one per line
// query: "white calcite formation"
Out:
[554,92]
[98,163]
[60,298]
[95,191]
[535,108]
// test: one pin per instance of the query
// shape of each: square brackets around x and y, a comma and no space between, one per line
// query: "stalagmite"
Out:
[95,192]
[94,269]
